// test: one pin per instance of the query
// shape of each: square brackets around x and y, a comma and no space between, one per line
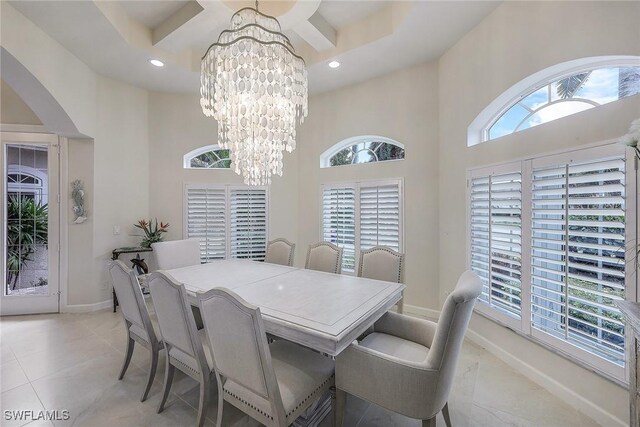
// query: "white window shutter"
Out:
[578,255]
[206,220]
[496,239]
[339,222]
[248,223]
[380,216]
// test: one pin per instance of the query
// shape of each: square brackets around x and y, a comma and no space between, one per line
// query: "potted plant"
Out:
[152,232]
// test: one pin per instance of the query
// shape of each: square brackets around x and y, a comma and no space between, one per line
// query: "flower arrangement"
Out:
[633,137]
[152,232]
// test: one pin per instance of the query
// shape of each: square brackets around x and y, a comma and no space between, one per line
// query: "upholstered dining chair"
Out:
[182,340]
[176,253]
[280,251]
[324,256]
[406,365]
[136,319]
[382,263]
[272,383]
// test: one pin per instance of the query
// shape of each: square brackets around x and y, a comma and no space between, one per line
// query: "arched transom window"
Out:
[362,149]
[209,157]
[557,92]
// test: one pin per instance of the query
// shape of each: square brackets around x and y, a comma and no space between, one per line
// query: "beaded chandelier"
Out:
[255,86]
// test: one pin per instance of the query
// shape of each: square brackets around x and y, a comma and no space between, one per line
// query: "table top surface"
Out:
[317,309]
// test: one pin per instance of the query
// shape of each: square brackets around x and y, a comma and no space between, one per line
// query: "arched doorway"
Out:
[30,215]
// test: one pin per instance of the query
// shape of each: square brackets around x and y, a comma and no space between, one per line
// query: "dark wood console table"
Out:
[115,254]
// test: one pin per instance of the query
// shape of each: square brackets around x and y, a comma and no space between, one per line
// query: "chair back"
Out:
[177,253]
[324,256]
[381,263]
[132,305]
[449,335]
[280,251]
[239,343]
[175,318]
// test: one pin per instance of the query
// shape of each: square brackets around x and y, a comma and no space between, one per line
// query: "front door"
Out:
[30,223]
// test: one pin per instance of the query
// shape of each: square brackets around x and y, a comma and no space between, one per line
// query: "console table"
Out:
[631,312]
[115,254]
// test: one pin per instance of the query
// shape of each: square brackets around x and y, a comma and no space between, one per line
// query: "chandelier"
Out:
[255,86]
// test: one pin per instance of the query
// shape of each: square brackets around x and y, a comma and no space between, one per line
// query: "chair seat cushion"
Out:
[396,347]
[300,372]
[190,361]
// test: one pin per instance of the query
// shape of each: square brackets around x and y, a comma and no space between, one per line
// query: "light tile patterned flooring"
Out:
[71,362]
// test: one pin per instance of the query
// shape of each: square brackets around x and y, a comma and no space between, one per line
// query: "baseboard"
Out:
[87,308]
[426,313]
[556,388]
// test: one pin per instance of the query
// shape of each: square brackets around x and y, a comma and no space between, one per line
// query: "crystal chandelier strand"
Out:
[255,86]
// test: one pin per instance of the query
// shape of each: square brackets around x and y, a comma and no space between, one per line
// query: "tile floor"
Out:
[71,362]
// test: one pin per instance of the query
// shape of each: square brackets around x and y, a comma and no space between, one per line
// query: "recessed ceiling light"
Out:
[156,62]
[334,64]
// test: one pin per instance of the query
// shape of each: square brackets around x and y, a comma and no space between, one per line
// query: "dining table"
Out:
[322,311]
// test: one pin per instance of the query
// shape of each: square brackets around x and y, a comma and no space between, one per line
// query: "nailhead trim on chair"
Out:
[313,393]
[302,402]
[182,364]
[258,410]
[385,249]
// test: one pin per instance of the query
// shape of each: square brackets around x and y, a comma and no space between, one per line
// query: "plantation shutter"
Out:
[339,222]
[578,256]
[380,216]
[496,239]
[248,223]
[206,220]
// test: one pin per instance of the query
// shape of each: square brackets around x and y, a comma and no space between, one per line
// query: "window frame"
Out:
[228,188]
[478,130]
[523,326]
[356,185]
[325,157]
[186,159]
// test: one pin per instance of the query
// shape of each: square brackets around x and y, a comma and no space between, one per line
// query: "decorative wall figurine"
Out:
[77,194]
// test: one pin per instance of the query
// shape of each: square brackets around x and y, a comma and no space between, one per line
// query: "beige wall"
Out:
[113,160]
[516,40]
[176,127]
[13,109]
[402,106]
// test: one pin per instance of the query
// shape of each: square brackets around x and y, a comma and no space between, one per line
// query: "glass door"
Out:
[30,223]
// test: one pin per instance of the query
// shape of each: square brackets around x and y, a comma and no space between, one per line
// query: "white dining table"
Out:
[322,311]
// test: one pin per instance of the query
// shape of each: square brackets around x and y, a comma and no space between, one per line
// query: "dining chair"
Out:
[324,256]
[272,383]
[185,345]
[382,263]
[280,251]
[136,319]
[406,365]
[176,253]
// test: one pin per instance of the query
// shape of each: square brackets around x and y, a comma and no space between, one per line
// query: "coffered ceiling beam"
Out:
[317,32]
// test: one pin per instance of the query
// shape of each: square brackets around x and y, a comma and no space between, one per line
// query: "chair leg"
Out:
[445,414]
[338,409]
[152,372]
[205,392]
[220,402]
[127,358]
[168,379]
[429,423]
